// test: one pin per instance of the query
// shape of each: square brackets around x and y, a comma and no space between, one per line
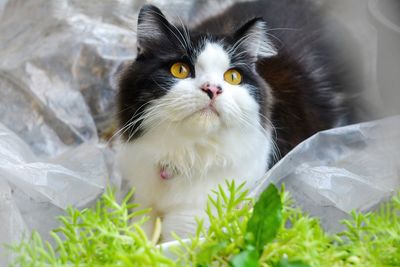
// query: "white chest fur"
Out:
[199,164]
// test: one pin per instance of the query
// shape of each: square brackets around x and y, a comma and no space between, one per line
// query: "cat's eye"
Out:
[180,70]
[233,76]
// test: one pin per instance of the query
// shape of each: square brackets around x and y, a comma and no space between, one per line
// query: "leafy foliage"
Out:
[103,236]
[266,219]
[262,227]
[273,233]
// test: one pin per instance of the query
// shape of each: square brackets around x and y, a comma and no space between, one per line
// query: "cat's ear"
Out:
[152,27]
[253,38]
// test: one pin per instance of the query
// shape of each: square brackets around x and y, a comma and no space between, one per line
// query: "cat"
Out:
[225,100]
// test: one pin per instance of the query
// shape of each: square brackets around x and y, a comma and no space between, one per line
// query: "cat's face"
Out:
[194,82]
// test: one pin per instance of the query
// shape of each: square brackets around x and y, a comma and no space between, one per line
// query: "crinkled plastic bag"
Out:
[34,191]
[343,169]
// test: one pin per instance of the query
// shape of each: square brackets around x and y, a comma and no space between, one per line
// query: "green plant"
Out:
[241,232]
[102,236]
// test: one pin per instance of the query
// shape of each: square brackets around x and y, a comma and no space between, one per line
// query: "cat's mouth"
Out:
[206,116]
[209,109]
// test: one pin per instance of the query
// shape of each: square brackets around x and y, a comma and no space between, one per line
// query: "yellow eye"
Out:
[180,70]
[233,76]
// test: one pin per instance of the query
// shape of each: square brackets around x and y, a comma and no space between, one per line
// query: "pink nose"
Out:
[211,90]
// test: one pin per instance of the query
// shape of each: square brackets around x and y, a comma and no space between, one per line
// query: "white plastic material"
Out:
[33,190]
[343,169]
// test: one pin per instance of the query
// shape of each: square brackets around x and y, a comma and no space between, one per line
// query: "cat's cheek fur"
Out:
[238,108]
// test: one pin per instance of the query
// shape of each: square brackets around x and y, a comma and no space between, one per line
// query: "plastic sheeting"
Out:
[59,63]
[336,171]
[33,190]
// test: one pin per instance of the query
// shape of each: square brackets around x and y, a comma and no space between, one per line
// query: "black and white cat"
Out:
[224,100]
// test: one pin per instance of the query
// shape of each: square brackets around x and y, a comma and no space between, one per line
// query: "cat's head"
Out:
[194,82]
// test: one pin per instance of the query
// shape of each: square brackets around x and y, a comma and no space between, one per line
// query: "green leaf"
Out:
[210,251]
[286,263]
[266,220]
[246,258]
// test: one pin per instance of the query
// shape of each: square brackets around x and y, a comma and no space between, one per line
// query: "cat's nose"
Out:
[211,90]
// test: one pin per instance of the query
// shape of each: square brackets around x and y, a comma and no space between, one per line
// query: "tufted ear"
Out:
[253,38]
[152,27]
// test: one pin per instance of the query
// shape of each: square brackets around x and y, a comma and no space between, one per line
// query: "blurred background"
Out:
[59,64]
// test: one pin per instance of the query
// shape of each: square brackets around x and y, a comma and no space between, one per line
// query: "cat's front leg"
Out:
[148,226]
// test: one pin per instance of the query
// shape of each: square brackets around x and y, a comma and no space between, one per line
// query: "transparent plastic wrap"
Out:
[343,169]
[33,191]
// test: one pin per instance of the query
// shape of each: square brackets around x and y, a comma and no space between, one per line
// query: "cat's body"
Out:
[186,134]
